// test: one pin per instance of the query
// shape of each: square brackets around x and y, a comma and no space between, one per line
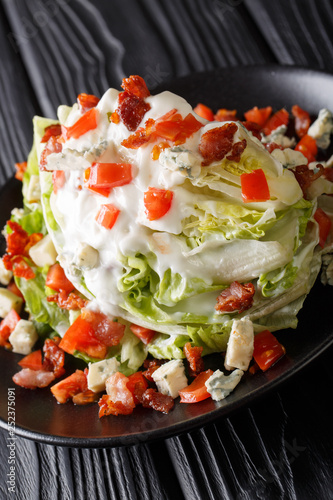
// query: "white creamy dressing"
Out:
[75,209]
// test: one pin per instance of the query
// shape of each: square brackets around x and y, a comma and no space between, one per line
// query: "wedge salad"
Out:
[153,234]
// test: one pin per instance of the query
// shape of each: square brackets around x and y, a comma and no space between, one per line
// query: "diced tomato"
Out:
[279,118]
[7,325]
[58,180]
[135,85]
[226,115]
[20,169]
[12,287]
[107,215]
[302,120]
[54,358]
[109,175]
[80,336]
[308,147]
[325,225]
[197,390]
[267,350]
[52,146]
[57,280]
[157,202]
[102,191]
[144,334]
[189,126]
[32,361]
[254,186]
[51,130]
[84,124]
[87,101]
[204,111]
[17,239]
[67,388]
[258,115]
[137,384]
[176,128]
[107,330]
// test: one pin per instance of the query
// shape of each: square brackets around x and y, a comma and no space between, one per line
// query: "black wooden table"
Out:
[280,446]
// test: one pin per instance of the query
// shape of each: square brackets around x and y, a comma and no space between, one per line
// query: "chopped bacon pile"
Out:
[195,361]
[217,143]
[19,243]
[36,373]
[237,297]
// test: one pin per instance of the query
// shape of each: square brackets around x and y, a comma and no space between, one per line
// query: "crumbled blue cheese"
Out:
[86,257]
[5,275]
[240,345]
[220,386]
[322,128]
[170,378]
[23,337]
[43,253]
[278,136]
[289,157]
[8,301]
[99,372]
[182,160]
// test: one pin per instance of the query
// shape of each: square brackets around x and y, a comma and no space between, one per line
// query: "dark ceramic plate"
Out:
[37,414]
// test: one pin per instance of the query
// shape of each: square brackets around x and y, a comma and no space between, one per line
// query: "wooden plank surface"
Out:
[279,447]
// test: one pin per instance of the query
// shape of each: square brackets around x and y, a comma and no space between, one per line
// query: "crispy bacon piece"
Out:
[67,301]
[216,143]
[254,128]
[68,387]
[31,379]
[85,398]
[131,109]
[140,137]
[137,384]
[237,297]
[158,401]
[151,365]
[302,120]
[20,169]
[237,151]
[87,101]
[17,240]
[51,130]
[135,85]
[270,146]
[305,176]
[18,245]
[109,407]
[52,146]
[54,358]
[193,356]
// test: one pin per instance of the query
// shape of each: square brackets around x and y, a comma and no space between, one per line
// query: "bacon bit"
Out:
[52,146]
[19,266]
[109,407]
[69,301]
[151,365]
[31,379]
[140,137]
[193,356]
[225,115]
[270,146]
[54,358]
[68,387]
[237,297]
[85,398]
[158,401]
[51,130]
[254,128]
[306,176]
[137,384]
[17,240]
[158,148]
[135,85]
[20,169]
[216,143]
[131,110]
[18,245]
[87,101]
[237,151]
[302,120]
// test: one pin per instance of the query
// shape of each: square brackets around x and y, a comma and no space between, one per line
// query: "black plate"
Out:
[39,417]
